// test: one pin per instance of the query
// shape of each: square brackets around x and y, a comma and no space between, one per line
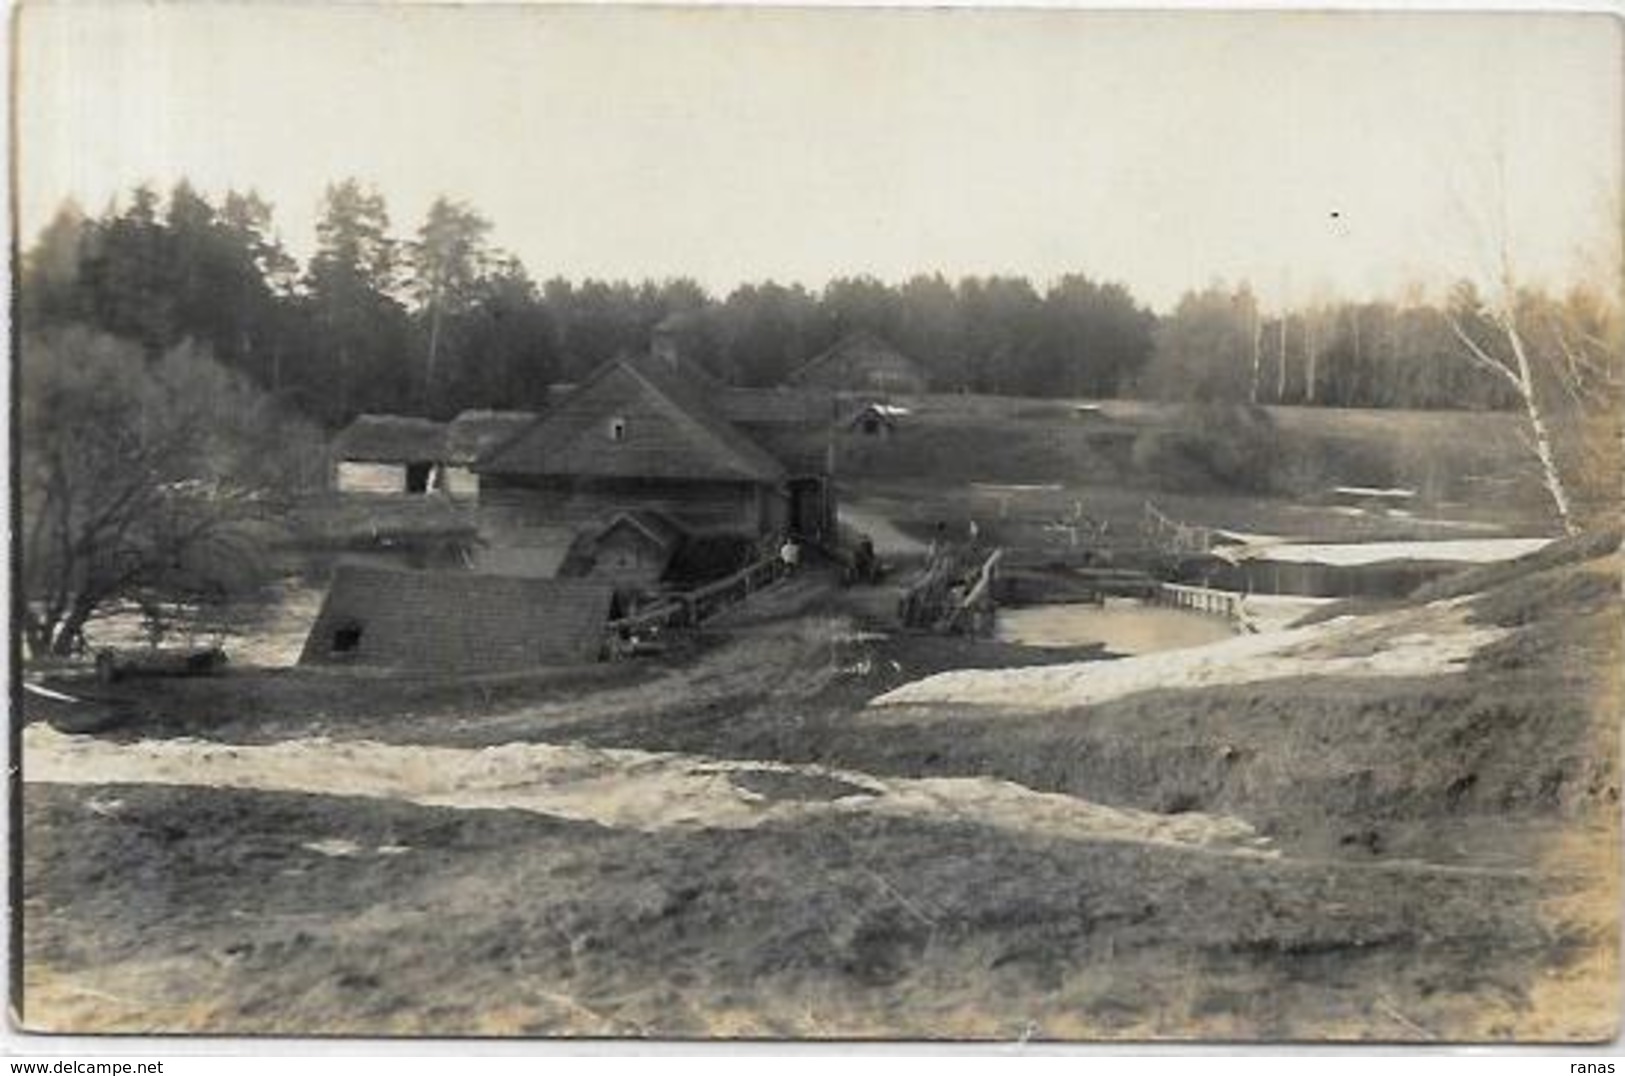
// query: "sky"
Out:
[1313,155]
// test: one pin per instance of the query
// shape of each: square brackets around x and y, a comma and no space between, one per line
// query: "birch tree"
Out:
[1497,337]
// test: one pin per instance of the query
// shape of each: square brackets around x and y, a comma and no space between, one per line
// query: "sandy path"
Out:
[642,790]
[1429,641]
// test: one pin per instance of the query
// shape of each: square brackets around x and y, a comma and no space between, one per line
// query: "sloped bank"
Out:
[1436,729]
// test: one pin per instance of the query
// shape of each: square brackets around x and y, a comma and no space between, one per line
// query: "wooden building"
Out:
[640,435]
[632,552]
[862,362]
[389,454]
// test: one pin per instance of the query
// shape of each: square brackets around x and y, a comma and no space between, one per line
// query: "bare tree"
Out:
[1494,338]
[138,479]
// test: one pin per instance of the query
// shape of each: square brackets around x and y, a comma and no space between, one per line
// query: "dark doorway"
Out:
[417,477]
[810,514]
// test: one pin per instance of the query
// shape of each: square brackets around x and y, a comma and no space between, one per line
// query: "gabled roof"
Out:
[669,431]
[859,347]
[473,434]
[391,439]
[457,623]
[875,412]
[660,530]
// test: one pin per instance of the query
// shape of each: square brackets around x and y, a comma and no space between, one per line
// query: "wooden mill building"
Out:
[642,436]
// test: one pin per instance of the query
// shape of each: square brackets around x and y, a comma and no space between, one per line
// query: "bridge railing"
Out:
[691,607]
[1226,603]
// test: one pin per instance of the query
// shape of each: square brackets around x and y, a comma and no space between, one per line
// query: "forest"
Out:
[442,319]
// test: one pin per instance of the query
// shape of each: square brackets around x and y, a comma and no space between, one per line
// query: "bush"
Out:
[1305,465]
[1211,446]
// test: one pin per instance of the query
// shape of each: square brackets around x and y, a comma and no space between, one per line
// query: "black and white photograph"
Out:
[821,524]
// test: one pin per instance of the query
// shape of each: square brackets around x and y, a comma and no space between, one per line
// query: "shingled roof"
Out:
[668,430]
[391,439]
[456,623]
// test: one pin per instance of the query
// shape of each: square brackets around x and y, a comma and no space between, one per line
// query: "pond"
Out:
[266,631]
[1125,625]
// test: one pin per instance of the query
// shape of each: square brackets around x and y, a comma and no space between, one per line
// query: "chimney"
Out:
[668,337]
[663,345]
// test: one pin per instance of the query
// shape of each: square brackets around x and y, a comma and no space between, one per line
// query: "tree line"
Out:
[442,319]
[174,356]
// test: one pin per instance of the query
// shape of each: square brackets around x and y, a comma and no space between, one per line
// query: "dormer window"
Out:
[617,429]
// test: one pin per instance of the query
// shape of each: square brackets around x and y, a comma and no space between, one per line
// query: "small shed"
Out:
[876,419]
[457,623]
[389,454]
[632,550]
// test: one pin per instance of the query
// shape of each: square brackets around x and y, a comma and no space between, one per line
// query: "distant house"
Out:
[389,454]
[457,623]
[862,362]
[639,435]
[876,419]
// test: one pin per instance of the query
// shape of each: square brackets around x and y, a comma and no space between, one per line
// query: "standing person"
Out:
[790,554]
[864,560]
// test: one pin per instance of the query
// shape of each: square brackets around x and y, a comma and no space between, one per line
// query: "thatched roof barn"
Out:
[391,439]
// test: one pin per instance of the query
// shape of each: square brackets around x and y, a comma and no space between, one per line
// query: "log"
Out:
[112,665]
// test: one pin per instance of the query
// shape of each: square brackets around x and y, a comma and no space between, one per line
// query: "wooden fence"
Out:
[695,606]
[1169,535]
